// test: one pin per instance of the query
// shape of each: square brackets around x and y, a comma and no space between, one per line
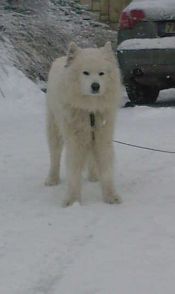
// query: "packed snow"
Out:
[93,248]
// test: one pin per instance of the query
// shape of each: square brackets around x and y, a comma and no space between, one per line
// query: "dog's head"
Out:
[92,69]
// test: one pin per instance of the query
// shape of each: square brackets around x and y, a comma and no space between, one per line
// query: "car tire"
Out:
[141,94]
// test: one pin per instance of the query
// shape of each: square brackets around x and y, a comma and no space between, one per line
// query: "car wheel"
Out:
[141,94]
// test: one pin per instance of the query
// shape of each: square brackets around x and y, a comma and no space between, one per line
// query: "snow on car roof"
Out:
[154,43]
[154,9]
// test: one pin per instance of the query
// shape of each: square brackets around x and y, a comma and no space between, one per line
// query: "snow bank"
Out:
[40,31]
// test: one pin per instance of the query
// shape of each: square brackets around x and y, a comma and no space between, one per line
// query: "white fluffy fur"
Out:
[69,103]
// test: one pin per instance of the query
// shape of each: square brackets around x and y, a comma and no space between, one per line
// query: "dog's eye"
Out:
[86,73]
[101,73]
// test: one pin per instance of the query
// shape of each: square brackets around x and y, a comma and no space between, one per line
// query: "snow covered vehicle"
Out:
[146,48]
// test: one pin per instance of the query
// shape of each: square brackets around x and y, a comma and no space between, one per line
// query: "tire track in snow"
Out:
[56,265]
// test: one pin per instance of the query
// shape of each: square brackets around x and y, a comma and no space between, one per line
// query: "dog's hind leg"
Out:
[55,143]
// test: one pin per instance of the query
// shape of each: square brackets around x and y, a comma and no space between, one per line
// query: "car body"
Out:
[146,48]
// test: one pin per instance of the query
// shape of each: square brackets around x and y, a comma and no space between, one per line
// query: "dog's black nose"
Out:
[95,87]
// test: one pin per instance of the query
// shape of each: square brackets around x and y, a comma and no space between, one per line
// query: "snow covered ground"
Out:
[94,248]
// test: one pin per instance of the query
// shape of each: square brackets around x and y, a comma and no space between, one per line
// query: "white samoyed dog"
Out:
[82,99]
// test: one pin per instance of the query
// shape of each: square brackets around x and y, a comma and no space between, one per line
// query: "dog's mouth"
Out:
[95,93]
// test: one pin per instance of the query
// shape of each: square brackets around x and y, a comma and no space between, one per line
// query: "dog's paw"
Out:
[92,178]
[52,181]
[70,201]
[115,199]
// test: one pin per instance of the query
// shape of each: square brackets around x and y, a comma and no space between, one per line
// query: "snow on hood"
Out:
[154,9]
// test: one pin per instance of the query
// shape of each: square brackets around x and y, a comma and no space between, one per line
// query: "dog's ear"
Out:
[107,50]
[72,53]
[108,47]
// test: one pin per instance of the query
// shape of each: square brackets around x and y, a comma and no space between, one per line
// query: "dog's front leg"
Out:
[92,169]
[105,157]
[75,157]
